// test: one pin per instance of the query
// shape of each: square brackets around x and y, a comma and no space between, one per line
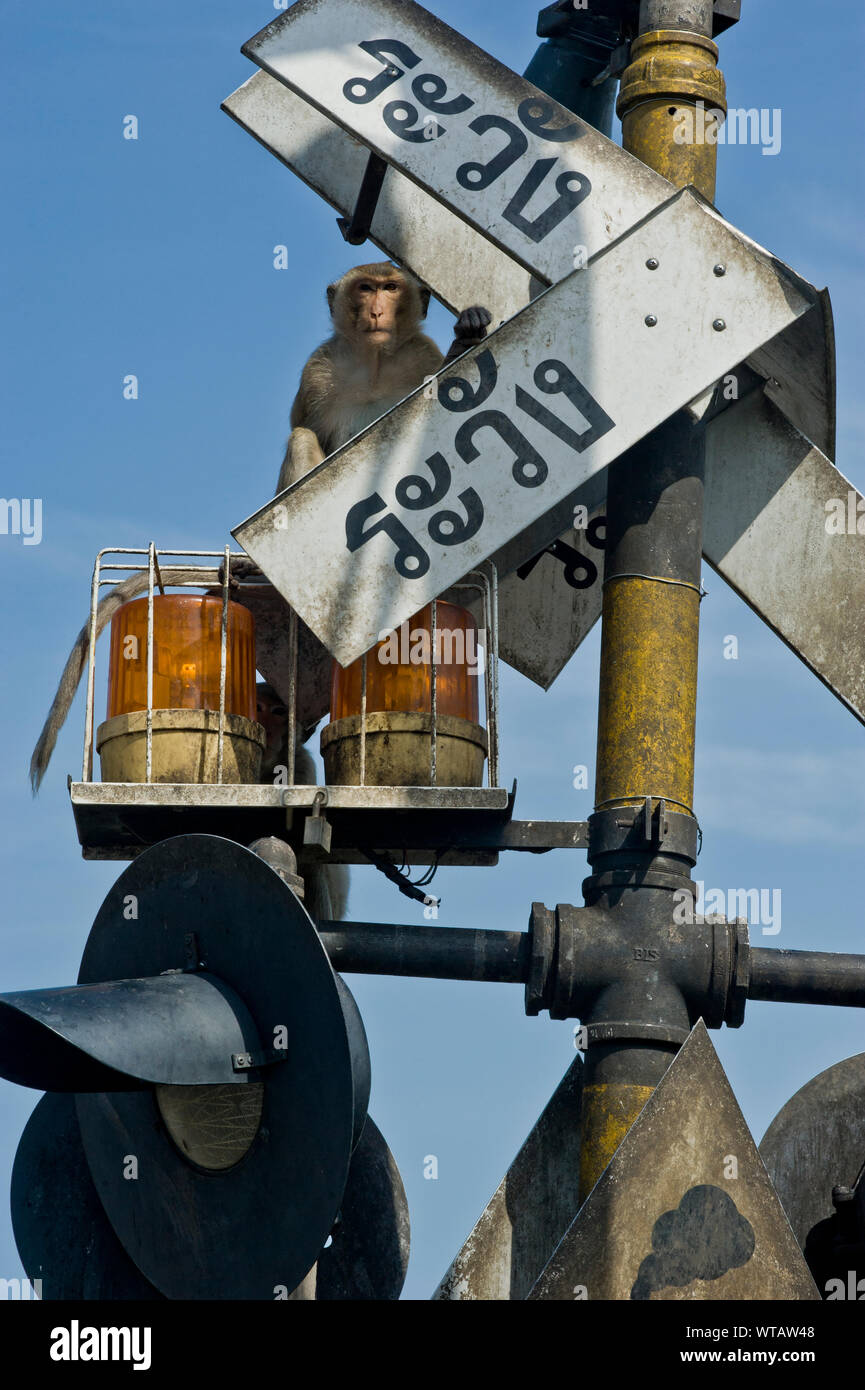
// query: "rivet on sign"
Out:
[651,320]
[720,270]
[652,263]
[719,325]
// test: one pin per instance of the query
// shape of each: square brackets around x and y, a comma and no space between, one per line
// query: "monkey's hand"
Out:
[241,568]
[469,329]
[471,326]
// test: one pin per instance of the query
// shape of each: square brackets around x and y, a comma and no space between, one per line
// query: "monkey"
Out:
[375,357]
[325,885]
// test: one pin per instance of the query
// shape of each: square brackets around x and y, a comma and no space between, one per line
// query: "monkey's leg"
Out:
[302,454]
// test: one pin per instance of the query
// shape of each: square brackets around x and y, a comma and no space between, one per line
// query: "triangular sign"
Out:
[685,1209]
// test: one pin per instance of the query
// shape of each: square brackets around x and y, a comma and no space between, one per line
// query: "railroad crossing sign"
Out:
[434,488]
[517,167]
[763,479]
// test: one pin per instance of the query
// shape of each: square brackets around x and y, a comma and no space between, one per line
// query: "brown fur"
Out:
[376,356]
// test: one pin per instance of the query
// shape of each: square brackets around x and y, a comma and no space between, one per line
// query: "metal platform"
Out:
[117,820]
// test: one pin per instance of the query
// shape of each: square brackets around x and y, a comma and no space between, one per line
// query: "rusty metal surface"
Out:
[817,1141]
[667,1219]
[556,182]
[531,1208]
[608,378]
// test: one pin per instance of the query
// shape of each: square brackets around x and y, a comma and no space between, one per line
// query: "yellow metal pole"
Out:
[671,100]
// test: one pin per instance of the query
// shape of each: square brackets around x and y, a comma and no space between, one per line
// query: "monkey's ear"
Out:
[331,296]
[424,300]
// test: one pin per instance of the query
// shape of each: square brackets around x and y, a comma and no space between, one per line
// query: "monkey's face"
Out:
[376,306]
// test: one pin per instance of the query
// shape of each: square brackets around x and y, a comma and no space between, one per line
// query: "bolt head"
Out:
[719,325]
[719,270]
[652,263]
[651,320]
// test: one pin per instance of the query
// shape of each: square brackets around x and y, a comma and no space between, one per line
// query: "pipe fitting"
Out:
[668,89]
[665,974]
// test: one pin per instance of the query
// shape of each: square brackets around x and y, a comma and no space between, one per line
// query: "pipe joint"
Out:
[665,973]
[671,65]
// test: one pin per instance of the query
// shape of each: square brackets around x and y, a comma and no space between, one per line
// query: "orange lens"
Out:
[187,640]
[399,669]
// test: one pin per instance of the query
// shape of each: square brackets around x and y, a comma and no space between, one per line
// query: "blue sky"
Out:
[155,257]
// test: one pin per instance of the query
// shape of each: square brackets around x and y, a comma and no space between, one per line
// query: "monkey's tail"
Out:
[77,660]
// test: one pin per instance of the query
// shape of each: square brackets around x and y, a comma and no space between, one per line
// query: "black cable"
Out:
[389,869]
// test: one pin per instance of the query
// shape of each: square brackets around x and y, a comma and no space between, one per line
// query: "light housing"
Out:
[187,649]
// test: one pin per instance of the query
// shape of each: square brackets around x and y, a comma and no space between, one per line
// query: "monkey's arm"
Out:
[304,449]
[303,452]
[469,330]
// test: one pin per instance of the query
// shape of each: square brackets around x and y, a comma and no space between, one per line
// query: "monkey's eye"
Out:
[279,711]
[365,289]
[392,286]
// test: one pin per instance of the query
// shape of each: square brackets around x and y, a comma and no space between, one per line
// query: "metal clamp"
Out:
[642,1032]
[648,826]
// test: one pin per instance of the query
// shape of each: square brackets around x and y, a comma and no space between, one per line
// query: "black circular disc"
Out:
[246,1231]
[368,1255]
[64,1238]
[817,1142]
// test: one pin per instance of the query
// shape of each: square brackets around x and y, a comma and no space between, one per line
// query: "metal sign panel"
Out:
[551,601]
[787,531]
[530,1209]
[777,511]
[522,170]
[408,225]
[685,1208]
[366,539]
[411,227]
